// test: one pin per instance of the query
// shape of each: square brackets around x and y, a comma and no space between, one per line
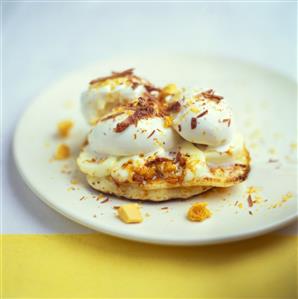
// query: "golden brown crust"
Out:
[134,191]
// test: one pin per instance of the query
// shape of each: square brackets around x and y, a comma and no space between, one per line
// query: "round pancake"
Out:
[161,189]
[134,191]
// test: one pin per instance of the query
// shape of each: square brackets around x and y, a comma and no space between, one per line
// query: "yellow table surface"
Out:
[100,266]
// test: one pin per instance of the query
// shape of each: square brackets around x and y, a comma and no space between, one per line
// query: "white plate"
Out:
[264,104]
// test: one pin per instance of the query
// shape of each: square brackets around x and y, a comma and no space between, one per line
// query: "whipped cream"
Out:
[146,136]
[203,119]
[97,99]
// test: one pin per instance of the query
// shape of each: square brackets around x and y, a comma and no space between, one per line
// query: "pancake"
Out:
[170,186]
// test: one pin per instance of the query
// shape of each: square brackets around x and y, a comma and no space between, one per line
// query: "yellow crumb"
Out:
[62,152]
[169,89]
[252,189]
[258,199]
[287,196]
[194,109]
[74,182]
[284,199]
[99,197]
[168,120]
[64,127]
[198,212]
[294,146]
[130,213]
[240,205]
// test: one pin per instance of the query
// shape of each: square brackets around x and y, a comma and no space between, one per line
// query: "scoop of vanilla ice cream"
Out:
[204,121]
[98,100]
[146,136]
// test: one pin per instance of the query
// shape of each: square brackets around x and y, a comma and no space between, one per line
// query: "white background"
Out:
[42,41]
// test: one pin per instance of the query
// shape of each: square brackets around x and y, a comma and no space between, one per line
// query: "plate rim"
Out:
[132,235]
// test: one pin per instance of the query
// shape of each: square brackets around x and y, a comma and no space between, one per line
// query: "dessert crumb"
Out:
[199,212]
[64,127]
[62,152]
[130,213]
[283,200]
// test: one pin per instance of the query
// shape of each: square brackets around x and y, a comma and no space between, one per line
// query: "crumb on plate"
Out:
[168,121]
[130,213]
[169,89]
[198,212]
[64,127]
[62,152]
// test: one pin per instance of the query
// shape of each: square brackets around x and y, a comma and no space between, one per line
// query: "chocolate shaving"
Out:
[164,208]
[209,94]
[134,85]
[151,88]
[227,120]
[250,212]
[202,114]
[123,125]
[272,161]
[249,200]
[174,107]
[157,160]
[116,207]
[144,109]
[138,178]
[151,134]
[180,159]
[114,75]
[193,123]
[179,128]
[105,200]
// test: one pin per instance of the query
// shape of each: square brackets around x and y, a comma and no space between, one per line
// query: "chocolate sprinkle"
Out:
[175,107]
[145,109]
[157,160]
[180,159]
[209,94]
[151,134]
[249,200]
[193,123]
[202,114]
[272,161]
[105,200]
[227,120]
